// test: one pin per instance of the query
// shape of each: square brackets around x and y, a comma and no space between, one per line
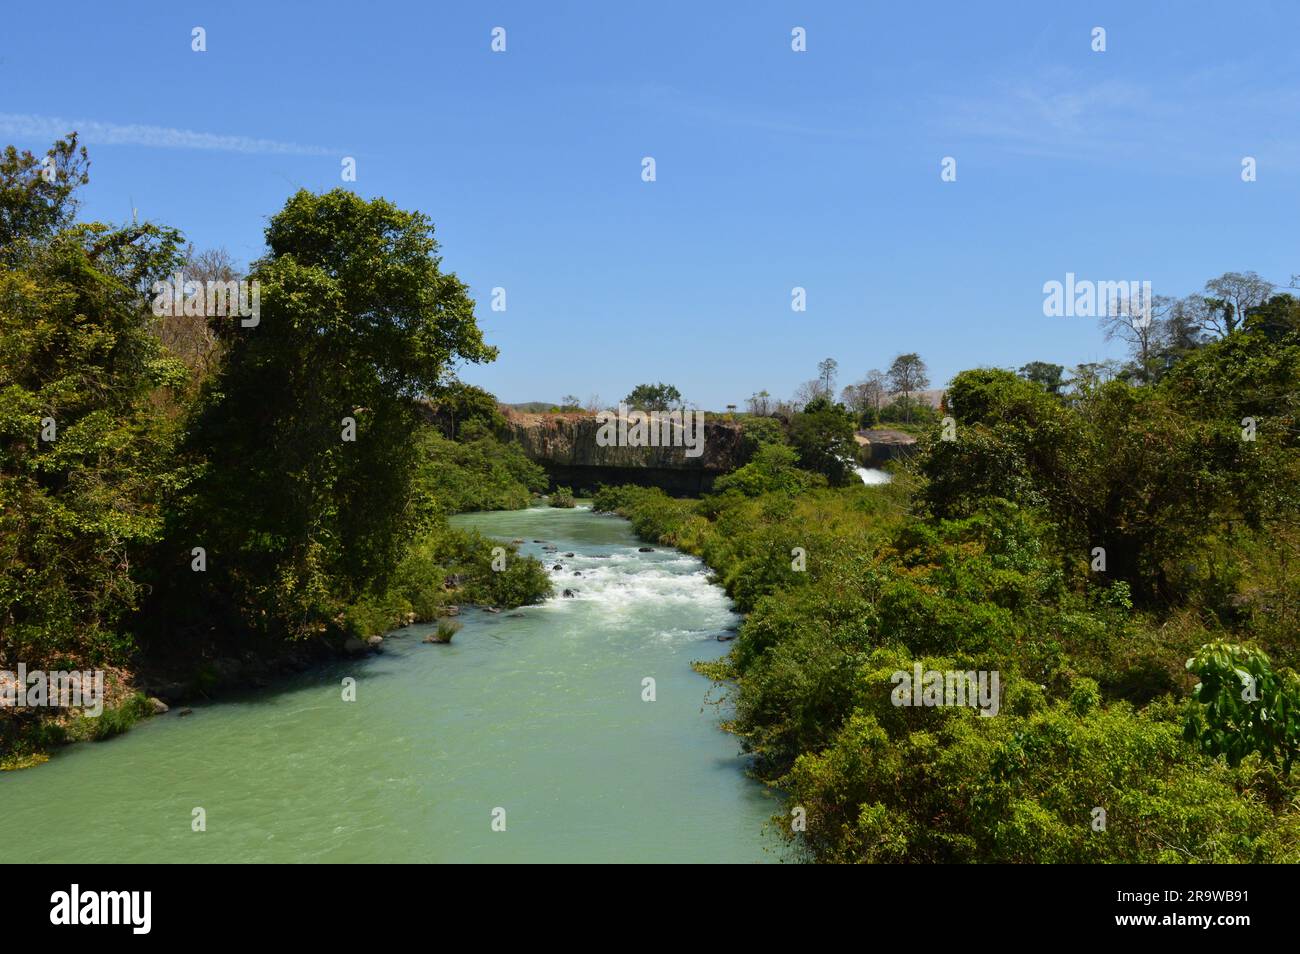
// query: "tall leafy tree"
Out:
[1044,373]
[303,442]
[822,436]
[906,375]
[826,371]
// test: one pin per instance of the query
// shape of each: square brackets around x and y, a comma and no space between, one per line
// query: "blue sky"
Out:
[775,169]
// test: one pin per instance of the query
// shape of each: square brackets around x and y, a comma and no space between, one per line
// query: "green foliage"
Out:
[755,432]
[446,630]
[1244,706]
[1276,319]
[36,207]
[357,319]
[464,412]
[79,364]
[773,469]
[907,374]
[116,459]
[1132,470]
[989,572]
[904,410]
[932,785]
[1044,373]
[562,497]
[484,473]
[448,566]
[822,436]
[114,720]
[654,397]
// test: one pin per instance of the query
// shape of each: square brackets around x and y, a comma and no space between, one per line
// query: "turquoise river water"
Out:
[536,711]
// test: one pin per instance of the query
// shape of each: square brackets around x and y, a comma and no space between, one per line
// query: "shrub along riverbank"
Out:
[984,557]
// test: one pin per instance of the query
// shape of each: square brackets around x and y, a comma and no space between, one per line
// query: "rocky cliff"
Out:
[566,445]
[883,444]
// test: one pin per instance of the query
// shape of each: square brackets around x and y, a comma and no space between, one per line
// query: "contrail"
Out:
[93,132]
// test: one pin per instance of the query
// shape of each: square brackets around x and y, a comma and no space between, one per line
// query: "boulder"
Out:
[171,692]
[159,707]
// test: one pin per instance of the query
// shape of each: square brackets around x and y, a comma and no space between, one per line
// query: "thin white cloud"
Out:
[1057,114]
[1197,119]
[92,132]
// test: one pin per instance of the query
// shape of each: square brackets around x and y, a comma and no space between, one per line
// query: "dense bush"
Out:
[483,473]
[983,562]
[86,443]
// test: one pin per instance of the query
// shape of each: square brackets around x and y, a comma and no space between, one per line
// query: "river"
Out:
[536,711]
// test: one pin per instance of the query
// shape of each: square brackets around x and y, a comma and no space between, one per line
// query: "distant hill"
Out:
[931,397]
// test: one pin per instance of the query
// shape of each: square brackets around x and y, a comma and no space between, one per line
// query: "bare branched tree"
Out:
[1229,299]
[1139,324]
[760,403]
[192,338]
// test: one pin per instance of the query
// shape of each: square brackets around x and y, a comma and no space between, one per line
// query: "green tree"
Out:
[772,470]
[1276,318]
[357,321]
[822,436]
[826,371]
[38,195]
[85,457]
[460,408]
[907,374]
[1044,373]
[654,397]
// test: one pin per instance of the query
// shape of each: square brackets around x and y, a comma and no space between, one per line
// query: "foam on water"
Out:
[621,587]
[871,476]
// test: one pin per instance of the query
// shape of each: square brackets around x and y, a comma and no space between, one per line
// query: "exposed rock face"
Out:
[565,444]
[883,444]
